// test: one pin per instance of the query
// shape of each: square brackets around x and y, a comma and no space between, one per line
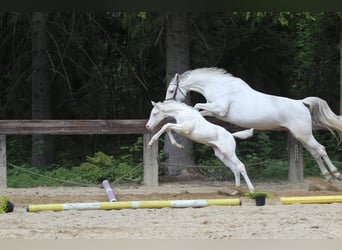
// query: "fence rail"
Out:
[150,154]
[80,127]
[72,127]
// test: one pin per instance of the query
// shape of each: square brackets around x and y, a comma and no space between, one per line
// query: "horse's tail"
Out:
[244,134]
[323,116]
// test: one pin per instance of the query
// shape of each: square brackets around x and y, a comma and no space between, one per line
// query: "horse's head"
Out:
[175,91]
[156,116]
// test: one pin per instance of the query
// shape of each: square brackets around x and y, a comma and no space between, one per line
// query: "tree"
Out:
[340,45]
[100,62]
[177,61]
[42,153]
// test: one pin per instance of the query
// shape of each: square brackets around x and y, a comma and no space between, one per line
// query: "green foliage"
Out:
[94,170]
[100,160]
[101,166]
[16,149]
[259,146]
[314,47]
[273,170]
[3,204]
[133,153]
[281,18]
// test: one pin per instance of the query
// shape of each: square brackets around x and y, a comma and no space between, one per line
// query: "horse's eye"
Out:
[171,91]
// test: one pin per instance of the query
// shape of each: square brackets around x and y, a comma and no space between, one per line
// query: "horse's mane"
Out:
[212,70]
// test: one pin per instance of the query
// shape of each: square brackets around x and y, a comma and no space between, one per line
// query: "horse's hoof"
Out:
[338,176]
[235,192]
[328,177]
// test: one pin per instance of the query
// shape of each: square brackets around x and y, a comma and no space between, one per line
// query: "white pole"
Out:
[109,191]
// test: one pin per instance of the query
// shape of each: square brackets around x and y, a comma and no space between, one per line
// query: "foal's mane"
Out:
[212,70]
[172,104]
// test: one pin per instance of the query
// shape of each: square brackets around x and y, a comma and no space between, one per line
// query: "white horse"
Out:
[191,124]
[231,99]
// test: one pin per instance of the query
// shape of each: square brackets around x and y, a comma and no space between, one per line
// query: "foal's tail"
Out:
[323,116]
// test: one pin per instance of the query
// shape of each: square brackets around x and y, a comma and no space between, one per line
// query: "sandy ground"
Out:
[272,221]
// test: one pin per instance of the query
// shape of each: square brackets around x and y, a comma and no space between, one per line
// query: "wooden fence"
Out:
[89,127]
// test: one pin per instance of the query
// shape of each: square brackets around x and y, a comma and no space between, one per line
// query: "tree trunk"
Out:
[341,67]
[42,152]
[177,61]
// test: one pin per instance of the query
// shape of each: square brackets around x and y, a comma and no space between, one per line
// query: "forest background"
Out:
[110,65]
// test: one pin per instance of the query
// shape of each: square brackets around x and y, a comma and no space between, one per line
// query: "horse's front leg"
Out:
[173,140]
[211,109]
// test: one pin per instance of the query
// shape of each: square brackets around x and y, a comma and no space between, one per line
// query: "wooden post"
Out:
[295,160]
[3,172]
[150,162]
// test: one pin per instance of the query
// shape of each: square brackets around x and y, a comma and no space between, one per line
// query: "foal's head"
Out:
[156,116]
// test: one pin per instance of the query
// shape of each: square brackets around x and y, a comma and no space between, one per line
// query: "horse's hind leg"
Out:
[324,171]
[318,152]
[332,168]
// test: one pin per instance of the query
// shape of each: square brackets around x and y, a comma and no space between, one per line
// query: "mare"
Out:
[231,99]
[191,124]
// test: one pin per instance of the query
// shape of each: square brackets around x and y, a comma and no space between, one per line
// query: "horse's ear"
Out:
[153,103]
[177,77]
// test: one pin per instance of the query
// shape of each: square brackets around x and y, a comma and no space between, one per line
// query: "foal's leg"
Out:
[236,166]
[234,161]
[173,140]
[166,127]
[221,156]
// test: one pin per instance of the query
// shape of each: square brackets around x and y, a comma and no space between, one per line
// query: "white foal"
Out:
[191,124]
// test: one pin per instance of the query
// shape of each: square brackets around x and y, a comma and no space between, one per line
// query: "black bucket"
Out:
[260,199]
[9,208]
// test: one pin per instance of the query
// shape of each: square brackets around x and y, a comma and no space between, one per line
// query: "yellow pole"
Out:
[134,204]
[312,199]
